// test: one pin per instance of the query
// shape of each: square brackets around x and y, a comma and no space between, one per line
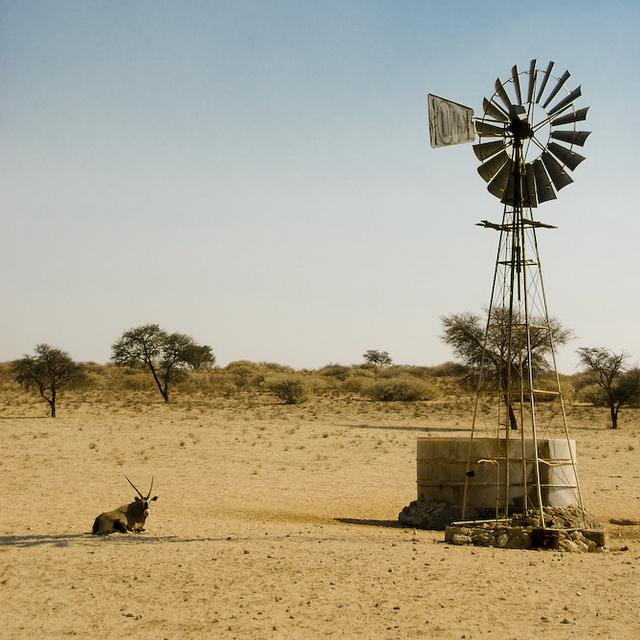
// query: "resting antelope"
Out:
[129,517]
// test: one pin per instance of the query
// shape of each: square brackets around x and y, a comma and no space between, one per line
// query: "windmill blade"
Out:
[491,167]
[543,84]
[544,188]
[568,158]
[574,95]
[565,76]
[489,130]
[516,83]
[570,118]
[508,194]
[500,90]
[493,110]
[498,186]
[524,194]
[484,150]
[530,198]
[532,80]
[558,175]
[573,137]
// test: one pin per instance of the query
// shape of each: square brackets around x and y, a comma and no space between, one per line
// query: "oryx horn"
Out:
[136,488]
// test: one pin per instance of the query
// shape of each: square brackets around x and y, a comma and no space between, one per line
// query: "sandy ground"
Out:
[281,522]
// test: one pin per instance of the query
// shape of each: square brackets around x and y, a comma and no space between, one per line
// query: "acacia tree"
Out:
[198,356]
[164,354]
[377,358]
[49,371]
[465,333]
[608,381]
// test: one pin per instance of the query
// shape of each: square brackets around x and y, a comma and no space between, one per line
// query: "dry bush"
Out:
[290,388]
[11,392]
[448,370]
[127,378]
[402,388]
[337,371]
[208,382]
[362,371]
[275,367]
[246,374]
[7,382]
[549,382]
[355,384]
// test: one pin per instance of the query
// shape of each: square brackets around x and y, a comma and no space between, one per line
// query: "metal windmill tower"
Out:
[527,136]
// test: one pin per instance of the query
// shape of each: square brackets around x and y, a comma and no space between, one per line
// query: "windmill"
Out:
[527,138]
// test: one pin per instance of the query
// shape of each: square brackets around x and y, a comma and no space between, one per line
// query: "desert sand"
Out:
[278,521]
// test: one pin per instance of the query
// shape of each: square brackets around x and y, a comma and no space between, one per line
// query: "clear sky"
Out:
[258,175]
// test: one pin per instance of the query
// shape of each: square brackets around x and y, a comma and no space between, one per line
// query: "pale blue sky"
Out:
[258,175]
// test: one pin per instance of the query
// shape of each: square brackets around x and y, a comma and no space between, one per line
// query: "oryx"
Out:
[129,517]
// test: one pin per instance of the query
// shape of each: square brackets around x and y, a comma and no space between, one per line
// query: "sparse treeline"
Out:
[283,384]
[148,357]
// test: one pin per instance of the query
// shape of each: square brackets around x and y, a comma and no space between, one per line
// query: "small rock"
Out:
[459,538]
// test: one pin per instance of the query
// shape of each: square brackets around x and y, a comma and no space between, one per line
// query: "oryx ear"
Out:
[137,499]
[154,498]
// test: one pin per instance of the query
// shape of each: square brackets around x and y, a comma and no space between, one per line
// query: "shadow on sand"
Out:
[63,540]
[391,524]
[87,539]
[404,428]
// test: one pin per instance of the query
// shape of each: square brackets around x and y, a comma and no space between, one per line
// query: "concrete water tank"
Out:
[494,465]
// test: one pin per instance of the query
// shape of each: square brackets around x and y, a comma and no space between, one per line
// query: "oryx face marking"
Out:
[144,504]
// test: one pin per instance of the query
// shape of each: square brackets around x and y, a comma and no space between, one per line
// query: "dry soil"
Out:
[280,521]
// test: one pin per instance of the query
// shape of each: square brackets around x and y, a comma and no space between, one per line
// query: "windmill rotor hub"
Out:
[520,126]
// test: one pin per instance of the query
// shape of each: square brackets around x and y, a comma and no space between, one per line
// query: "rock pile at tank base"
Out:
[426,514]
[565,528]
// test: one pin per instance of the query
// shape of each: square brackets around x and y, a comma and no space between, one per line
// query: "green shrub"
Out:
[400,389]
[291,389]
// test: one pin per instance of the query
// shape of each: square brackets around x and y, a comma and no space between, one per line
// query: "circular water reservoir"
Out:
[499,470]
